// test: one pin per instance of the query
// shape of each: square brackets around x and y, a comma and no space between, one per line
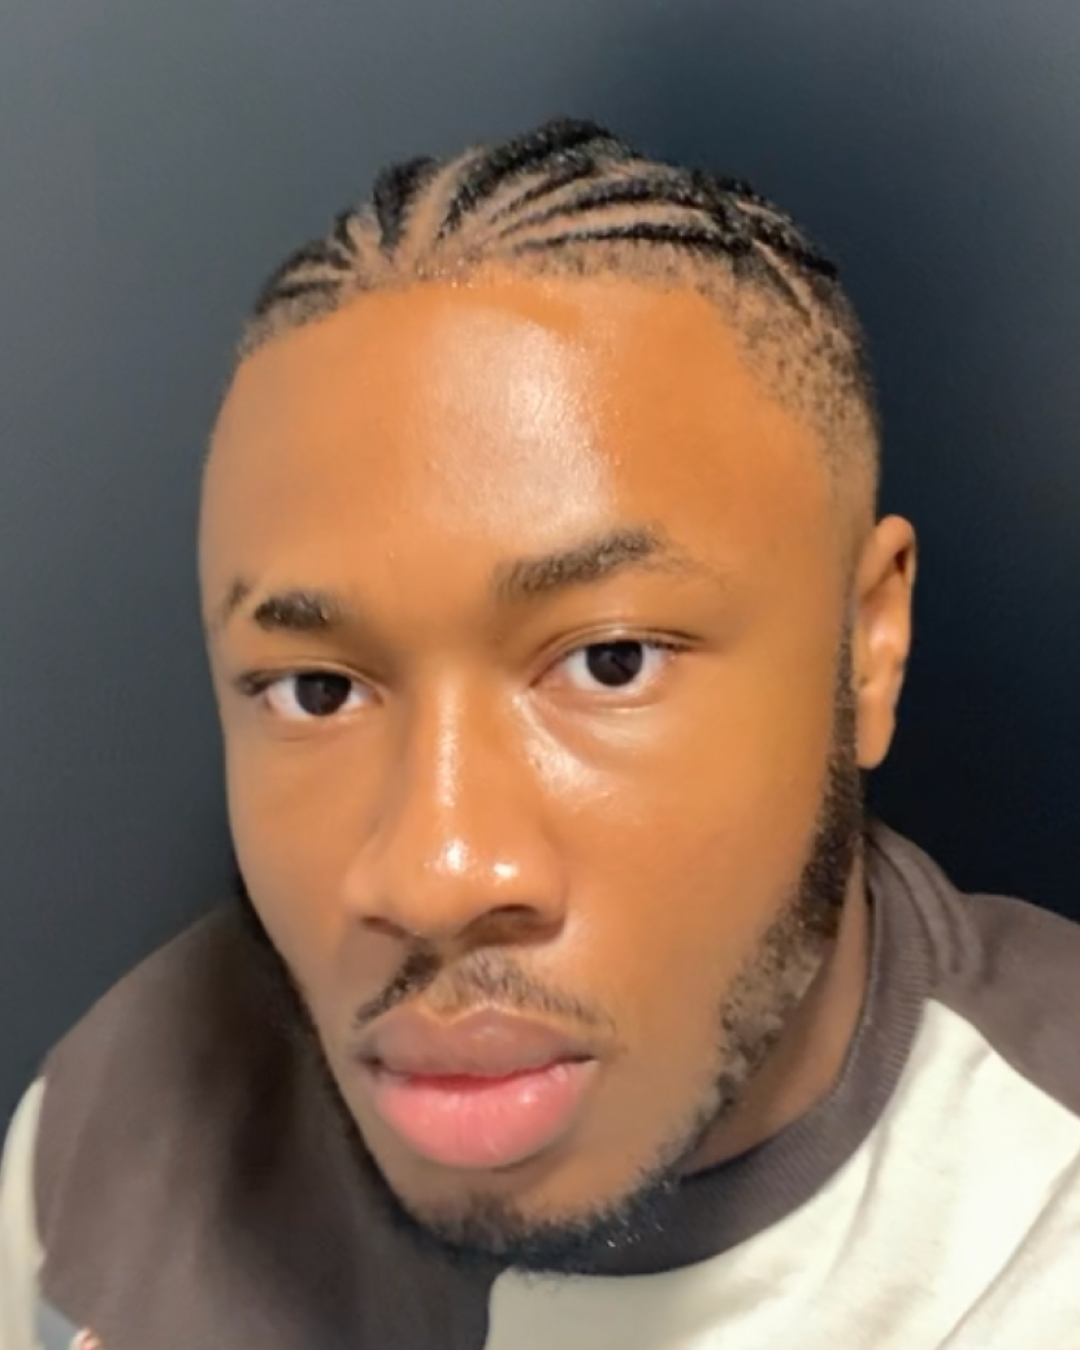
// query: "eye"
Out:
[629,664]
[308,695]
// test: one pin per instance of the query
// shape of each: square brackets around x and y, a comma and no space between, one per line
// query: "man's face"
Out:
[536,606]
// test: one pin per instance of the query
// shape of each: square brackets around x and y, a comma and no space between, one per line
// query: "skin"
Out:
[626,850]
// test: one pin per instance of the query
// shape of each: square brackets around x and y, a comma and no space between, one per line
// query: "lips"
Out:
[487,1091]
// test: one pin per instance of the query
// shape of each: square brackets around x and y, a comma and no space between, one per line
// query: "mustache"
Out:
[484,978]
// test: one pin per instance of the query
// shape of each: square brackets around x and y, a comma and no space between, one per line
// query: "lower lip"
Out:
[482,1123]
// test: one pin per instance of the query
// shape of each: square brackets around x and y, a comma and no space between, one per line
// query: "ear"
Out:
[884,580]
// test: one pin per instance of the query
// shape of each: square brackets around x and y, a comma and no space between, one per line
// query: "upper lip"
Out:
[484,1044]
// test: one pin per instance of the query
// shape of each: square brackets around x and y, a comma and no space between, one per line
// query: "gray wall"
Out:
[155,159]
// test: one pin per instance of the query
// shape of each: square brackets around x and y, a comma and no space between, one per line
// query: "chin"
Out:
[548,1187]
[477,1222]
[544,1215]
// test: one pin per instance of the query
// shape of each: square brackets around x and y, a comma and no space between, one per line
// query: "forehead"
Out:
[506,416]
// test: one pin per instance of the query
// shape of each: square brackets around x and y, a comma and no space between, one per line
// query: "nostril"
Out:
[384,927]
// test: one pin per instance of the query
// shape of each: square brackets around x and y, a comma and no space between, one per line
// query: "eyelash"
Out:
[254,684]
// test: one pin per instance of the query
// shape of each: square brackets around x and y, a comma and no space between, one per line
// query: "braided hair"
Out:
[571,198]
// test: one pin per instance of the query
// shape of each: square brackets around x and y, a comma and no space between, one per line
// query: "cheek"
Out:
[693,851]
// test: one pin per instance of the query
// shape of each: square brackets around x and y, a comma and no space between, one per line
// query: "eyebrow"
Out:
[299,609]
[587,563]
[302,609]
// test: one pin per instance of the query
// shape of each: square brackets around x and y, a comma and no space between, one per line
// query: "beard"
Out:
[755,1010]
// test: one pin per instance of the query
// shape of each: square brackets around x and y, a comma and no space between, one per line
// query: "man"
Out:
[570,1001]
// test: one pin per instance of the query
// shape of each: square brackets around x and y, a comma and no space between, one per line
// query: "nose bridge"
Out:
[461,833]
[451,762]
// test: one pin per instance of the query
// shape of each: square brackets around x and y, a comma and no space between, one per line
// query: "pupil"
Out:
[321,695]
[615,663]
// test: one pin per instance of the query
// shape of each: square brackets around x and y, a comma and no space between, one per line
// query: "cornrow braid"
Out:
[526,156]
[570,197]
[395,191]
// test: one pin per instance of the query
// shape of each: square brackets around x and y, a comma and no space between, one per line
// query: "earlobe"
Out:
[884,582]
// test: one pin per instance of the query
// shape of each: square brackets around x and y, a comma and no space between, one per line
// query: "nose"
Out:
[459,843]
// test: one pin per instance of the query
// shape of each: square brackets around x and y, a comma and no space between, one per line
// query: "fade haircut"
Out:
[571,198]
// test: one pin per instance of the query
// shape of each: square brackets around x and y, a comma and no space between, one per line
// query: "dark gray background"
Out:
[155,161]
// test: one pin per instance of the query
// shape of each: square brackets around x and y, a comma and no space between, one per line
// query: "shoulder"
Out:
[183,1040]
[188,1004]
[97,1086]
[1016,979]
[207,965]
[1008,968]
[185,1126]
[20,1247]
